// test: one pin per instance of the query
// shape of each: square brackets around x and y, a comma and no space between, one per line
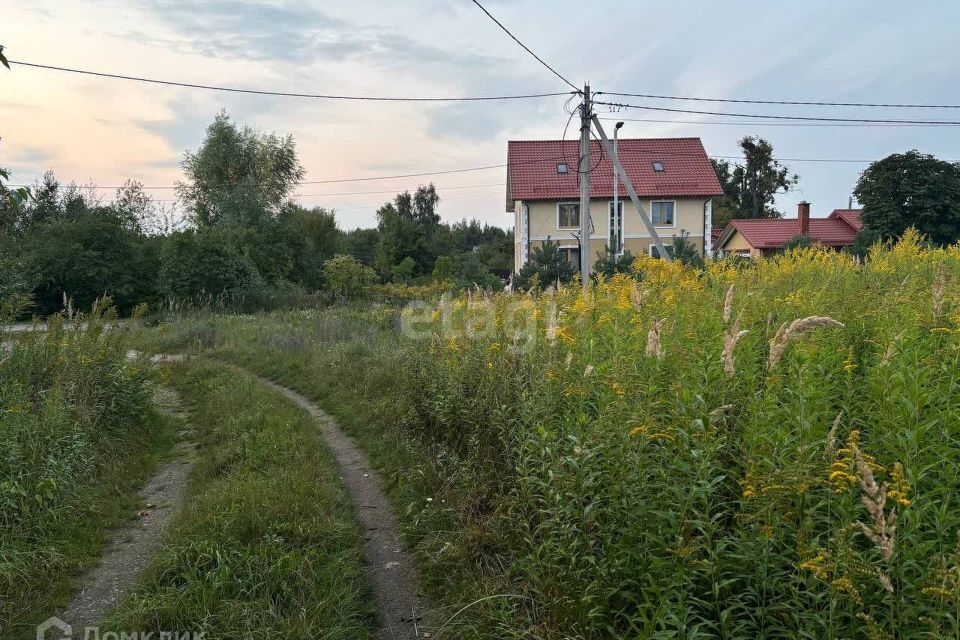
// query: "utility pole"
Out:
[618,168]
[583,171]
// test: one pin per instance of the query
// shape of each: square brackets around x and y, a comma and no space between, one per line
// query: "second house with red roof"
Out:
[766,236]
[673,178]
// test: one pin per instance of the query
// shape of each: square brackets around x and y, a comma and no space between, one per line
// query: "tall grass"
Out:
[674,458]
[267,545]
[77,435]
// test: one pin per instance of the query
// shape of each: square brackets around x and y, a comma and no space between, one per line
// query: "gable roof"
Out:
[850,216]
[772,233]
[532,169]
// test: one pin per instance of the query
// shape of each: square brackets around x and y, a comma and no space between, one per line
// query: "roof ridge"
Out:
[575,140]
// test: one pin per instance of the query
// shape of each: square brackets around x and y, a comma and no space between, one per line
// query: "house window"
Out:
[568,215]
[572,254]
[657,166]
[616,228]
[655,253]
[662,212]
[562,167]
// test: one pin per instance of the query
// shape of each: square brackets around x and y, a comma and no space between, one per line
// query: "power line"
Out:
[364,179]
[784,102]
[319,96]
[370,206]
[773,124]
[321,195]
[771,117]
[525,47]
[622,152]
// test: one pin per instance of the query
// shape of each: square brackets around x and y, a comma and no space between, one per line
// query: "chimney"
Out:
[803,218]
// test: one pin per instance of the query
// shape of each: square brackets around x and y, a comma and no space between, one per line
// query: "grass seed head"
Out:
[787,333]
[728,305]
[654,345]
[730,339]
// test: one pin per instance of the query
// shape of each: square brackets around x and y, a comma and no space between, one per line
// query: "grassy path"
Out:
[131,548]
[267,544]
[390,568]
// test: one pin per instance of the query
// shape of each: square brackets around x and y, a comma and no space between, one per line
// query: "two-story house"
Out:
[673,178]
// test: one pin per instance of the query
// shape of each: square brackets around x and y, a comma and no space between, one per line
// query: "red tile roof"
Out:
[850,216]
[532,171]
[772,233]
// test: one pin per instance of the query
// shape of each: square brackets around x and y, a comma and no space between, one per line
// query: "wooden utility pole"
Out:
[583,172]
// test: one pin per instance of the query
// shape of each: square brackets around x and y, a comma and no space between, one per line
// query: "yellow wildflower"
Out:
[900,486]
[845,585]
[817,565]
[564,334]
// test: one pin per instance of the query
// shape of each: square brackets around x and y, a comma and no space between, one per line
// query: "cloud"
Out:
[289,33]
[237,29]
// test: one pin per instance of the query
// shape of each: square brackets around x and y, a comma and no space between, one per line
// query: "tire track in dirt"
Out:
[130,549]
[391,570]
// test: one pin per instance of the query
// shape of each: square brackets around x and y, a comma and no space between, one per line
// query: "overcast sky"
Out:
[102,131]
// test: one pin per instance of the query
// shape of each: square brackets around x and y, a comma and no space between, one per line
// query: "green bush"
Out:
[193,263]
[346,277]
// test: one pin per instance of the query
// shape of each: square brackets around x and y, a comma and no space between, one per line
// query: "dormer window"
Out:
[657,166]
[562,167]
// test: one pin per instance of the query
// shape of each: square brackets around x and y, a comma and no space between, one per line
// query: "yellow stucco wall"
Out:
[738,244]
[688,217]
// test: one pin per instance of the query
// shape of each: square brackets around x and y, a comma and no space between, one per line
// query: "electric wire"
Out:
[286,94]
[564,157]
[778,117]
[525,47]
[745,123]
[818,103]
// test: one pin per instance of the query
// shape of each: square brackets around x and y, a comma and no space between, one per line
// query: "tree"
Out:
[12,202]
[346,276]
[911,189]
[443,269]
[403,272]
[750,189]
[361,244]
[202,261]
[609,264]
[238,176]
[799,241]
[686,252]
[472,270]
[727,206]
[133,205]
[546,266]
[314,237]
[86,257]
[408,227]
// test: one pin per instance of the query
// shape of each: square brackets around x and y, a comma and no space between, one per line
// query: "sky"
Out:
[102,131]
